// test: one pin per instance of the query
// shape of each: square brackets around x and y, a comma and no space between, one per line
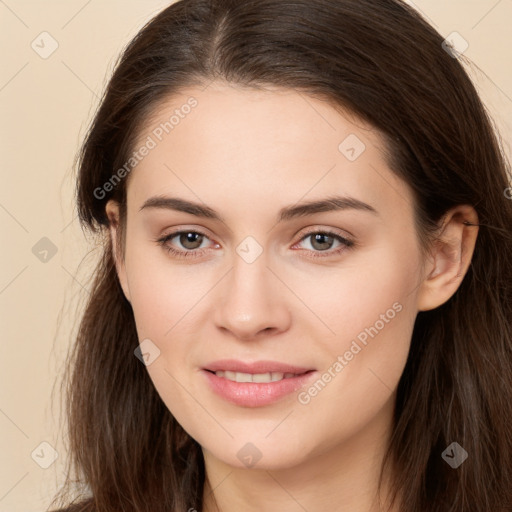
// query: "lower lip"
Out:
[256,394]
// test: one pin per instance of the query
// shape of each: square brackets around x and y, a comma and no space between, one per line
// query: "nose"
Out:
[253,301]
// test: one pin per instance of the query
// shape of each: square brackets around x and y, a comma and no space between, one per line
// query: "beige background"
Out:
[46,106]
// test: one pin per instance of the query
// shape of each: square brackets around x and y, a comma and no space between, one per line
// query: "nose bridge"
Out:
[252,300]
[249,280]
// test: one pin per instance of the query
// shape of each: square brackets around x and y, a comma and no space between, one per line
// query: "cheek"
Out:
[370,311]
[162,293]
[359,295]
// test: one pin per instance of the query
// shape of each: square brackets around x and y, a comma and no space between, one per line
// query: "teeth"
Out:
[230,375]
[261,377]
[256,377]
[243,377]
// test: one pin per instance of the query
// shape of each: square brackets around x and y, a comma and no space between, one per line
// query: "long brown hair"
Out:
[381,61]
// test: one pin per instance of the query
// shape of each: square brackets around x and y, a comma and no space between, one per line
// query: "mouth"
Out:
[255,368]
[255,384]
[256,377]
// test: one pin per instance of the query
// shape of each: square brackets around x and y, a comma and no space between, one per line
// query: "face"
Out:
[311,308]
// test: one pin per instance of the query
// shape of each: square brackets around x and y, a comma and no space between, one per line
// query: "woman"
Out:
[304,300]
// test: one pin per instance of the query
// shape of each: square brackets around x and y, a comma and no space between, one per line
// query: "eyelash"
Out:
[196,253]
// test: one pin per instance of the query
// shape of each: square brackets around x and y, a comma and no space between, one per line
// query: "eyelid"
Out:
[303,233]
[334,231]
[180,230]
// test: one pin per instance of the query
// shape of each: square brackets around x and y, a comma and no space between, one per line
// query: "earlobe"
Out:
[450,257]
[112,211]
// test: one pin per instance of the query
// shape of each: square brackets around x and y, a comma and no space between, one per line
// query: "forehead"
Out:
[255,146]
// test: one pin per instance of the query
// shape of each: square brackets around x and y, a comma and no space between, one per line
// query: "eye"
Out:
[190,240]
[322,241]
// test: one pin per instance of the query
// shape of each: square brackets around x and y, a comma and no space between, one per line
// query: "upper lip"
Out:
[234,365]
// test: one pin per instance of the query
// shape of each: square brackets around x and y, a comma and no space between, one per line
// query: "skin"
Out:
[247,154]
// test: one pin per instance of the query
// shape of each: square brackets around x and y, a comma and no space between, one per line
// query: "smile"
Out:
[256,389]
[254,377]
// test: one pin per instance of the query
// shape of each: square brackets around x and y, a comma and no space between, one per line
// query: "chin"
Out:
[259,454]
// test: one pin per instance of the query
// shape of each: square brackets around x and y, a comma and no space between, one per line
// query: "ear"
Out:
[112,210]
[450,257]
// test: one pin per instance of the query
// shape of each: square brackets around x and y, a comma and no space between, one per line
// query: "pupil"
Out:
[319,237]
[189,238]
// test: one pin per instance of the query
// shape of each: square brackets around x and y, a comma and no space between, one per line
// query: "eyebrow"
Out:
[329,204]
